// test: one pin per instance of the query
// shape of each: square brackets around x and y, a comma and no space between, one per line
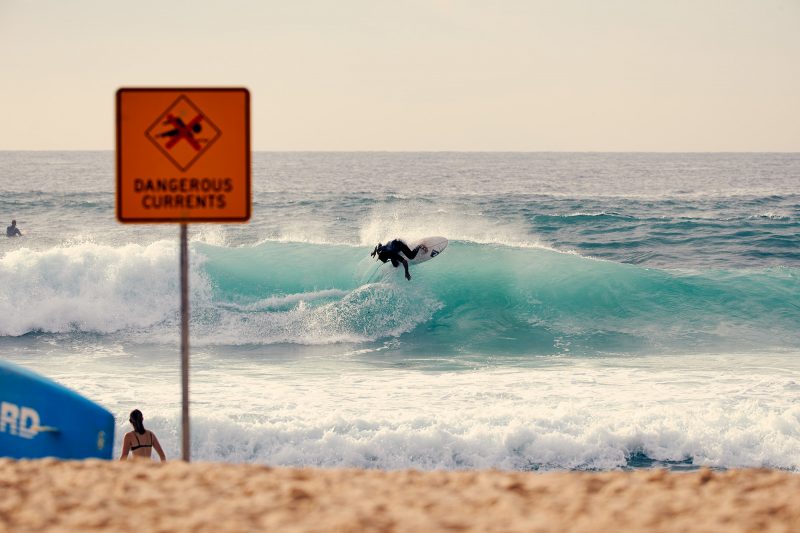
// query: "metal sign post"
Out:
[183,155]
[185,448]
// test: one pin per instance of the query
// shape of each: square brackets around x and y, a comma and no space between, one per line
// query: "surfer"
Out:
[13,230]
[140,441]
[391,252]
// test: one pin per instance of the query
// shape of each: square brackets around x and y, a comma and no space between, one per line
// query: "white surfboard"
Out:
[432,246]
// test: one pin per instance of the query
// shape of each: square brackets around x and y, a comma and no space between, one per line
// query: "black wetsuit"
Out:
[391,252]
[13,231]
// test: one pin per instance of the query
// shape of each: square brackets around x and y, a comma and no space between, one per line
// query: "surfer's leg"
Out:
[411,254]
[405,266]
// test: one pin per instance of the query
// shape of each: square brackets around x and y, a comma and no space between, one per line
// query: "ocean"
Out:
[593,311]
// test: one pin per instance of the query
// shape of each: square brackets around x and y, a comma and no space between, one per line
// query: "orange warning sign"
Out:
[183,155]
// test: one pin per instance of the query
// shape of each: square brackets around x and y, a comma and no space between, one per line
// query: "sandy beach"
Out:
[49,495]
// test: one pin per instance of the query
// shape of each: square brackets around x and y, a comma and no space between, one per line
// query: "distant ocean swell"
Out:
[475,298]
[719,232]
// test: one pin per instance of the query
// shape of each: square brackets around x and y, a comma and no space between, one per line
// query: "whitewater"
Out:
[593,311]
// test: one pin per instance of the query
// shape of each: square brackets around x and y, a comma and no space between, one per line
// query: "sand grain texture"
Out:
[50,495]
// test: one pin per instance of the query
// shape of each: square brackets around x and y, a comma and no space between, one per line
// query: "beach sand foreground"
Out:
[51,495]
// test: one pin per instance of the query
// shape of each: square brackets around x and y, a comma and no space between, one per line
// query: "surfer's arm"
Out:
[126,447]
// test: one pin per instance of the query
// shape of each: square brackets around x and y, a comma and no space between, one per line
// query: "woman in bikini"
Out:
[141,442]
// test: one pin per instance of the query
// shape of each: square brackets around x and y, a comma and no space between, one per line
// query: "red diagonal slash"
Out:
[184,132]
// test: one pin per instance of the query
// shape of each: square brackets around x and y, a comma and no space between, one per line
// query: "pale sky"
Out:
[622,75]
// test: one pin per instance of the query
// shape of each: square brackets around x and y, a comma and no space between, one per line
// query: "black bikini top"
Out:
[139,445]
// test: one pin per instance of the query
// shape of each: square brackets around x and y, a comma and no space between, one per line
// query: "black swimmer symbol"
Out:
[180,130]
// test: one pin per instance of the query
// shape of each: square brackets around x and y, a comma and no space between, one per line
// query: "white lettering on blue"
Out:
[20,421]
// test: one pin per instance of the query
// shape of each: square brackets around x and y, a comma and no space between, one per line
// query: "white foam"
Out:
[213,235]
[301,238]
[771,216]
[571,415]
[90,287]
[366,313]
[274,302]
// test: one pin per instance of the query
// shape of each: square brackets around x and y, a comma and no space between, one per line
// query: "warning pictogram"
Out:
[183,133]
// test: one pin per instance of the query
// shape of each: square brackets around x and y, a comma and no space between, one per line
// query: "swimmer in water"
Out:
[13,230]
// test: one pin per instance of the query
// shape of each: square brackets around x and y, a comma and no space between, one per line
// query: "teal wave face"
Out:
[493,299]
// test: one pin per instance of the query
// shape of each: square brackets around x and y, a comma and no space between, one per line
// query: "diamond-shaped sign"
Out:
[183,133]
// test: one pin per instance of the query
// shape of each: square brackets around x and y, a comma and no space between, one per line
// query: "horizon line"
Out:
[446,151]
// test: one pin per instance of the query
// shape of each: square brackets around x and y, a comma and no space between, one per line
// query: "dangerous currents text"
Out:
[186,192]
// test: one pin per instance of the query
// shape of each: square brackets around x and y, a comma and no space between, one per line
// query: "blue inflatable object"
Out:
[40,418]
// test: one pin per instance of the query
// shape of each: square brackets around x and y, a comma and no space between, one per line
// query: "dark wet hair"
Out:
[137,419]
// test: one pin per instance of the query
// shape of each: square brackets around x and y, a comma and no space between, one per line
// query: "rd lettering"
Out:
[20,421]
